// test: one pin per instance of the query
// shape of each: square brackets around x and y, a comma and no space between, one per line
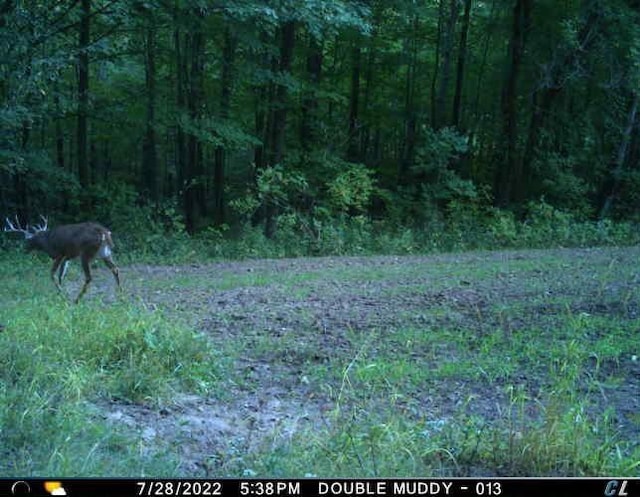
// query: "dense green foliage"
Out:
[311,116]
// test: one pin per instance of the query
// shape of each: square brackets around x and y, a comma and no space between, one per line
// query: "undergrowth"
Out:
[141,238]
[359,235]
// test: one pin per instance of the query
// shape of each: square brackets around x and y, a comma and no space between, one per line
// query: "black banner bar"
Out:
[316,487]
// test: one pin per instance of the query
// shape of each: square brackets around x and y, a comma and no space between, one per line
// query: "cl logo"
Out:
[614,487]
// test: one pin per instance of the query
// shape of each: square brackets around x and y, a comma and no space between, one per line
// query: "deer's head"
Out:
[32,234]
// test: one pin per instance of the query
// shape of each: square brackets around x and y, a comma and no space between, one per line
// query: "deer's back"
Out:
[75,239]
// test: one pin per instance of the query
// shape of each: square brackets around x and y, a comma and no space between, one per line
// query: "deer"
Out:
[66,242]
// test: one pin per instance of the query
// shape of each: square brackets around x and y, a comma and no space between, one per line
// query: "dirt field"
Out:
[290,316]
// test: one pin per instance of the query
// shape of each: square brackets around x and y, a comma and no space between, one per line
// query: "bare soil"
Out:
[317,305]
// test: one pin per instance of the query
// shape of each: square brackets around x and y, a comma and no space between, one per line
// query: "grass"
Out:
[381,425]
[529,366]
[484,364]
[60,360]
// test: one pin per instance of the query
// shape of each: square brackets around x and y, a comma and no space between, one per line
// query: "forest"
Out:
[451,123]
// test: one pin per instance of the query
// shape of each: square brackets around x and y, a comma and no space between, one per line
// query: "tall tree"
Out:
[279,109]
[353,147]
[613,185]
[189,41]
[462,57]
[182,166]
[509,177]
[59,135]
[83,93]
[566,65]
[410,104]
[151,180]
[226,88]
[195,97]
[309,120]
[445,48]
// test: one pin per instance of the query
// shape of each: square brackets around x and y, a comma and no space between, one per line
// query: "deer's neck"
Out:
[40,241]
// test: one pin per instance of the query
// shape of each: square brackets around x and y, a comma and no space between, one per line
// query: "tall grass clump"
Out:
[123,350]
[60,362]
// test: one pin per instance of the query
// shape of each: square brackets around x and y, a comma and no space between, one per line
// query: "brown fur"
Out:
[69,241]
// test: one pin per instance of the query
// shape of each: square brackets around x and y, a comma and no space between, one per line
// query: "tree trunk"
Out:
[190,98]
[550,88]
[462,55]
[263,102]
[440,118]
[106,161]
[541,102]
[309,119]
[182,165]
[150,180]
[228,60]
[366,152]
[196,191]
[279,119]
[509,176]
[618,166]
[20,182]
[410,111]
[483,64]
[58,127]
[83,94]
[353,149]
[436,64]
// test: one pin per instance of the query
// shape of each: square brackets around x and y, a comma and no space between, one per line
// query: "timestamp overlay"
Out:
[319,487]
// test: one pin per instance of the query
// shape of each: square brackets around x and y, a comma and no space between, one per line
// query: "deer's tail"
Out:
[106,245]
[106,239]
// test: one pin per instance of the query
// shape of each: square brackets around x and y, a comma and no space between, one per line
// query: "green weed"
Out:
[59,359]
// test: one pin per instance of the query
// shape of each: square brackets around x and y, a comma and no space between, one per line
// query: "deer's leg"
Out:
[63,270]
[56,264]
[114,269]
[87,275]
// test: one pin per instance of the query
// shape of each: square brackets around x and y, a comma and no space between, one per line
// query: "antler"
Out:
[28,232]
[11,228]
[40,227]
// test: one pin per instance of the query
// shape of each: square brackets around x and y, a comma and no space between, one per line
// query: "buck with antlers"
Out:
[66,242]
